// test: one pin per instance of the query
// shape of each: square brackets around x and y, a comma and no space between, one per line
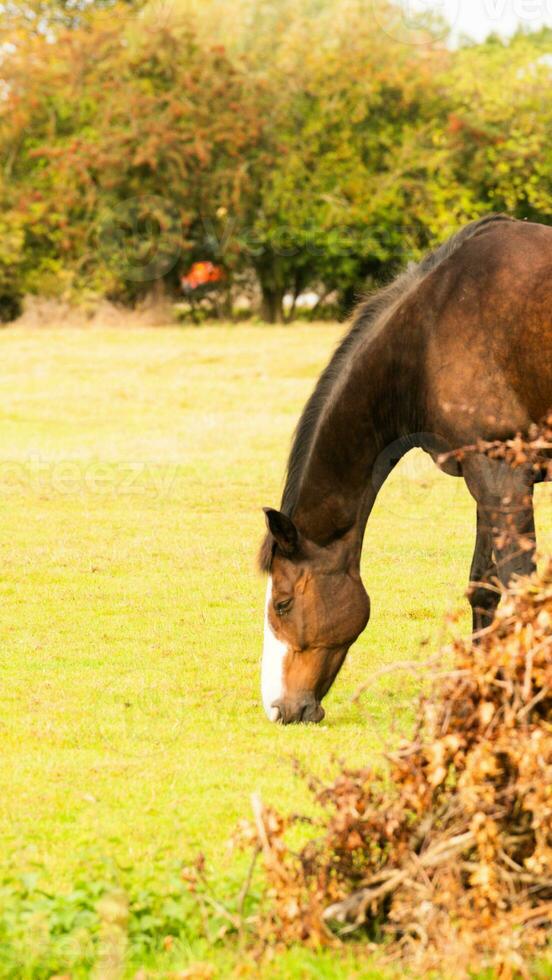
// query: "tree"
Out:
[499,131]
[312,149]
[125,147]
[331,211]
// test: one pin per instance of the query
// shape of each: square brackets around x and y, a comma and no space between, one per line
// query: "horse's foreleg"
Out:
[483,594]
[505,525]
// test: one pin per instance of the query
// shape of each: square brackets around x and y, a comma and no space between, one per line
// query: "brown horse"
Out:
[457,348]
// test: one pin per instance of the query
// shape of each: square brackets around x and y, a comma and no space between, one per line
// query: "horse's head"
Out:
[316,606]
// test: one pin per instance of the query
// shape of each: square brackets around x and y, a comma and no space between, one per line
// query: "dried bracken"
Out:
[448,852]
[532,449]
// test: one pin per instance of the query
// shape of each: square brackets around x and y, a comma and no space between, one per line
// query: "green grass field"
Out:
[133,470]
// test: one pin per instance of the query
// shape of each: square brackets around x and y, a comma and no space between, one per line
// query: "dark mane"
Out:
[367,315]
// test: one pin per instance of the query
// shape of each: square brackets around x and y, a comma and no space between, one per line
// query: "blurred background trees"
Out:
[300,147]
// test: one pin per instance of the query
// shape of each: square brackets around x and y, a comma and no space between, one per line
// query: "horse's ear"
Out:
[283,531]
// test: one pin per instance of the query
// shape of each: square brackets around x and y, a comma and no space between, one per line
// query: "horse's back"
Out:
[487,312]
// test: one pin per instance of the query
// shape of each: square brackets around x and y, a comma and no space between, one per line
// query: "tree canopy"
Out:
[299,146]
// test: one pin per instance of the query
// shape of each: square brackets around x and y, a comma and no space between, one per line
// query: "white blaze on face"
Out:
[272,671]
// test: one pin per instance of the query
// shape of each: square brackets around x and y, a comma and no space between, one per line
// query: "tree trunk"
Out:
[272,307]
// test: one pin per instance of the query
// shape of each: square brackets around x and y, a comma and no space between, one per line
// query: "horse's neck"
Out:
[373,405]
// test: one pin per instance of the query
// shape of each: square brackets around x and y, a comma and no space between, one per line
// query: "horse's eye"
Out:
[283,606]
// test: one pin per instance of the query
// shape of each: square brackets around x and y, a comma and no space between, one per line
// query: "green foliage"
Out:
[306,145]
[333,208]
[119,914]
[500,124]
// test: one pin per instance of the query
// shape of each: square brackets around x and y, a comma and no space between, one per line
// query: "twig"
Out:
[526,690]
[257,807]
[541,910]
[538,697]
[221,909]
[245,890]
[353,908]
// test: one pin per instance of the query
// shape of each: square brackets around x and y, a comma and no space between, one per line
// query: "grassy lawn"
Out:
[132,474]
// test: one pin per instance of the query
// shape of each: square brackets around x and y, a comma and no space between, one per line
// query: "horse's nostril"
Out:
[312,712]
[319,713]
[274,713]
[295,711]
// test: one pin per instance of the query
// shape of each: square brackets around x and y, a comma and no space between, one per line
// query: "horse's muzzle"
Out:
[304,709]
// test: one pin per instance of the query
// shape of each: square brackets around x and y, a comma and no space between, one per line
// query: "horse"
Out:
[456,349]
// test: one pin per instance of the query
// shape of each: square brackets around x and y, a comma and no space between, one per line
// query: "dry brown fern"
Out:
[448,853]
